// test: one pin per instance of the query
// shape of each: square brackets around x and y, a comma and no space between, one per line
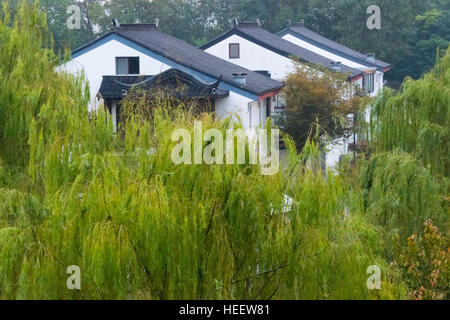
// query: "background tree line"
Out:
[140,227]
[410,34]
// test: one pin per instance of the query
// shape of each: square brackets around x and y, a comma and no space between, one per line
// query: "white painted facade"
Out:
[378,78]
[258,58]
[101,61]
[340,146]
[235,105]
[254,57]
[252,117]
[257,112]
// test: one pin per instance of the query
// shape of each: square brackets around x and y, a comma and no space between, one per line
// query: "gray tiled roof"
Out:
[307,34]
[112,87]
[254,32]
[151,38]
[174,82]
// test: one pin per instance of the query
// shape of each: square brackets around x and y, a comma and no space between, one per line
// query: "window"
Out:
[368,83]
[127,65]
[268,107]
[234,51]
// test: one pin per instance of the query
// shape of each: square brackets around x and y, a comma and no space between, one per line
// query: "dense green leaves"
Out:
[316,100]
[411,30]
[140,227]
[417,119]
[406,180]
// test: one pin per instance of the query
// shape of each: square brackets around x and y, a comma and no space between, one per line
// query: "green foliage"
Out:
[426,262]
[30,89]
[2,173]
[140,227]
[417,119]
[405,182]
[400,194]
[411,30]
[74,193]
[316,98]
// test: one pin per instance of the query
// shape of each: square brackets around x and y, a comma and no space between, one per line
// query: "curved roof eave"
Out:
[234,87]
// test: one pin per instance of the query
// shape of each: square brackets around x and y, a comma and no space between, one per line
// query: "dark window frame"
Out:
[238,51]
[370,89]
[268,107]
[128,65]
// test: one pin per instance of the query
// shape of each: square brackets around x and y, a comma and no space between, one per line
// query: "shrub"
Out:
[425,262]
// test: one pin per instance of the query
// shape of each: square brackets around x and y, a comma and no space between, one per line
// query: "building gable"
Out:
[181,55]
[254,56]
[165,63]
[255,34]
[300,32]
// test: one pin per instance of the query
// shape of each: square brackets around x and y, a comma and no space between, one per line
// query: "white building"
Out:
[373,70]
[250,46]
[371,82]
[132,55]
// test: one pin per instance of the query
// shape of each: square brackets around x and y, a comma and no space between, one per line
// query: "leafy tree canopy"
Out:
[410,34]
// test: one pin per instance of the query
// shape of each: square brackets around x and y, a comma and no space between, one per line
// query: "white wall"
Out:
[322,52]
[252,113]
[101,61]
[379,83]
[336,150]
[233,104]
[254,57]
[332,56]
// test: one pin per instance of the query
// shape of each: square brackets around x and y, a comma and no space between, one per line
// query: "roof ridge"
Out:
[219,60]
[237,23]
[248,24]
[181,53]
[138,26]
[293,49]
[363,57]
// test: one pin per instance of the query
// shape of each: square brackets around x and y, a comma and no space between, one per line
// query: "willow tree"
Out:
[316,98]
[30,89]
[406,180]
[141,227]
[417,119]
[409,134]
